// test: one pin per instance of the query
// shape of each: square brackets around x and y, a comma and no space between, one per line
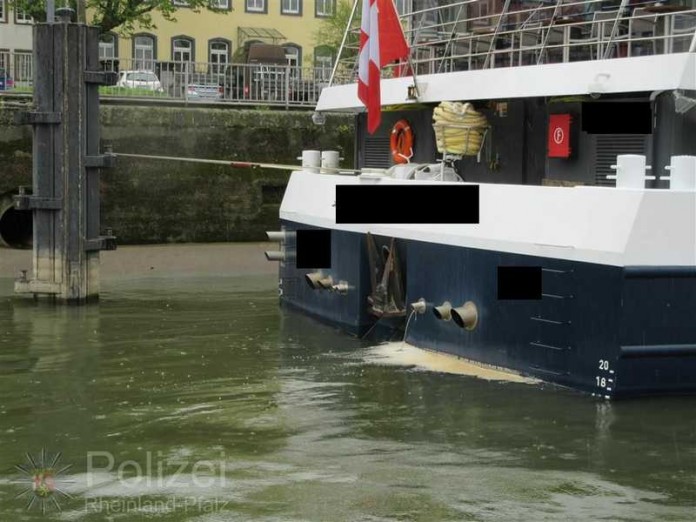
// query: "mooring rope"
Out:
[233,164]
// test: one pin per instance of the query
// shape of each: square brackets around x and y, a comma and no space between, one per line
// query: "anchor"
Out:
[387,296]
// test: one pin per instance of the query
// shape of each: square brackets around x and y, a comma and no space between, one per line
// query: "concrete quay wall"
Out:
[148,201]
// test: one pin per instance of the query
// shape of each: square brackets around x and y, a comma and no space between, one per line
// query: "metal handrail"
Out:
[554,15]
[495,33]
[243,84]
[445,40]
[615,27]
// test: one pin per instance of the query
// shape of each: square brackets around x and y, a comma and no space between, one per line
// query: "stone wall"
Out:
[15,153]
[147,201]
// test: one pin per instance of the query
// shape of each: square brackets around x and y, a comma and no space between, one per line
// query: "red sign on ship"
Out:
[559,135]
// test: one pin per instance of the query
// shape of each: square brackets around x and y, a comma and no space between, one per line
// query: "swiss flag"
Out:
[381,42]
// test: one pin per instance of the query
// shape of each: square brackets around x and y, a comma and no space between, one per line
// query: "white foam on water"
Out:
[404,354]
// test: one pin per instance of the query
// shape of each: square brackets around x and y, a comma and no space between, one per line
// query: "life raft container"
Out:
[459,129]
[401,142]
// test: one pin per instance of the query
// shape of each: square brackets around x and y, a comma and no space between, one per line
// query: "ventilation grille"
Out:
[377,153]
[608,146]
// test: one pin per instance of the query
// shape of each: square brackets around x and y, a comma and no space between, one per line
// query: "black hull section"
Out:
[608,331]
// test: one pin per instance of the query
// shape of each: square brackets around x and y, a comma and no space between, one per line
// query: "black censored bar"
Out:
[313,249]
[436,204]
[617,117]
[519,282]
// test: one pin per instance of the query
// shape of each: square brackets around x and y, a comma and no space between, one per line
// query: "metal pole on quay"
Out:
[66,163]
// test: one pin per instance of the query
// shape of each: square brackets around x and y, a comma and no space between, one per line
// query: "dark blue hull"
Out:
[609,331]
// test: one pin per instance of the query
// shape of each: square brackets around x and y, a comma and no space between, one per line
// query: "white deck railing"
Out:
[459,35]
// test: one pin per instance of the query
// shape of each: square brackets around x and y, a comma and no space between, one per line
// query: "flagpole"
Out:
[409,61]
[381,45]
[343,42]
[413,71]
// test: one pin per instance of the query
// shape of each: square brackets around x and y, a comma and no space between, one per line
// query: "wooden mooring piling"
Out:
[66,163]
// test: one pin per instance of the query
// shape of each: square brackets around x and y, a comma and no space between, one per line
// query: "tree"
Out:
[126,15]
[330,32]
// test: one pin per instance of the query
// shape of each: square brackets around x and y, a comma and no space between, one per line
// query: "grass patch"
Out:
[125,91]
[103,90]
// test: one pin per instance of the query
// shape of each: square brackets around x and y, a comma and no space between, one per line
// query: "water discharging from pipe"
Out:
[408,321]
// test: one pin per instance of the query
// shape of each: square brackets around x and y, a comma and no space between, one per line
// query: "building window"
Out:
[218,55]
[5,59]
[108,47]
[2,11]
[291,7]
[256,6]
[325,7]
[323,62]
[481,11]
[220,4]
[182,49]
[22,17]
[22,68]
[403,7]
[293,54]
[144,52]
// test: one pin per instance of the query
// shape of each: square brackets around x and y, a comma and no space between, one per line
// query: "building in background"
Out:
[15,43]
[217,38]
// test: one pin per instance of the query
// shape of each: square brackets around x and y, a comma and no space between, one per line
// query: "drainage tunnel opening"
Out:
[16,228]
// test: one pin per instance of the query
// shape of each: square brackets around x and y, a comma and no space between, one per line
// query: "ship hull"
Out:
[610,331]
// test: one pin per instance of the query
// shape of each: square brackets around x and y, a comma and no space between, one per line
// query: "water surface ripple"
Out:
[274,416]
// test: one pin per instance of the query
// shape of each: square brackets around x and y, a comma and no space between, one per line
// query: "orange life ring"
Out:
[401,142]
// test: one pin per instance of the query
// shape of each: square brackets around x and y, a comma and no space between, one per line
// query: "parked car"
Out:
[6,82]
[261,74]
[146,80]
[204,92]
[202,87]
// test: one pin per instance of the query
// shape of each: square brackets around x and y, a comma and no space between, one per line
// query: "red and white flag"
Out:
[381,42]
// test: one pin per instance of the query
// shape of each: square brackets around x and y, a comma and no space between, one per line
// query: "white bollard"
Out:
[683,173]
[329,161]
[630,171]
[311,160]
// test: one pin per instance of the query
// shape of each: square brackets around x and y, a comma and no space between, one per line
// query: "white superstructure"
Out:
[648,227]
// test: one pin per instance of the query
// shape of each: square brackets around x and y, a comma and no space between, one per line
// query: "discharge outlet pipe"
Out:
[280,236]
[275,255]
[16,226]
[465,316]
[443,312]
[276,235]
[319,281]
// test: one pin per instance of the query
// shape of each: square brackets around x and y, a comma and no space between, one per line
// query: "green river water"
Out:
[198,398]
